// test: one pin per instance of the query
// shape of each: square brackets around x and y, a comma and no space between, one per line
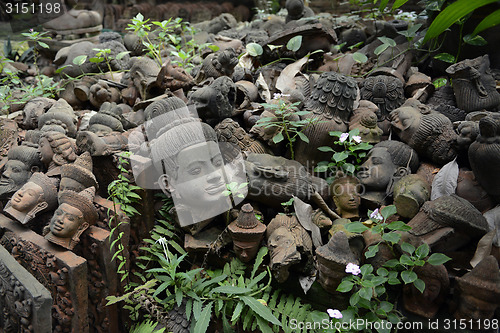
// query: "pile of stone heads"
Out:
[198,136]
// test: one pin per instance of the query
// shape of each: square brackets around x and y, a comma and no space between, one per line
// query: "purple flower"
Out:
[357,138]
[343,137]
[334,313]
[31,30]
[353,269]
[376,215]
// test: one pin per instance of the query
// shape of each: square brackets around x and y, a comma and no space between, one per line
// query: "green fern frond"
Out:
[147,326]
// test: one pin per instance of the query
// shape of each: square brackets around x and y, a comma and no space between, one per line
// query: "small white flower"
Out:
[376,215]
[356,138]
[353,269]
[343,137]
[277,96]
[334,313]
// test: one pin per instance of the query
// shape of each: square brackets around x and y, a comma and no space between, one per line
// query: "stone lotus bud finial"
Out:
[332,260]
[37,195]
[479,292]
[247,232]
[78,175]
[473,84]
[75,214]
[385,91]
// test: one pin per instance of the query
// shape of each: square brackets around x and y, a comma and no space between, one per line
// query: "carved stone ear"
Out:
[164,184]
[81,229]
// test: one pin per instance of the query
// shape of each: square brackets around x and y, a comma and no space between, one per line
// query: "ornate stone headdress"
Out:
[81,171]
[247,228]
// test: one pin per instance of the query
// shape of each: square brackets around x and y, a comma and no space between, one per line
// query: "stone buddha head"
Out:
[22,162]
[437,283]
[37,195]
[385,161]
[55,150]
[345,193]
[107,120]
[186,154]
[76,212]
[332,260]
[410,193]
[247,232]
[61,114]
[479,292]
[78,175]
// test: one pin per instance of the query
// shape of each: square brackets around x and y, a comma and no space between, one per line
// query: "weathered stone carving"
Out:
[473,84]
[296,10]
[34,109]
[246,232]
[55,150]
[364,118]
[60,117]
[78,175]
[143,73]
[289,244]
[345,194]
[218,64]
[430,134]
[410,193]
[22,162]
[216,100]
[479,293]
[37,195]
[8,136]
[385,91]
[75,214]
[230,131]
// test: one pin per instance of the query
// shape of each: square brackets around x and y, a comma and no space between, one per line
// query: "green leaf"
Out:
[440,82]
[406,260]
[359,57]
[372,251]
[391,237]
[321,168]
[214,48]
[44,45]
[422,251]
[438,259]
[258,260]
[345,286]
[446,57]
[260,309]
[354,299]
[335,133]
[383,4]
[388,211]
[326,149]
[420,285]
[204,320]
[475,40]
[409,276]
[79,60]
[120,55]
[278,137]
[263,325]
[452,14]
[230,290]
[356,227]
[398,3]
[294,43]
[340,156]
[387,41]
[380,49]
[254,49]
[407,247]
[237,311]
[178,297]
[303,137]
[366,269]
[382,271]
[349,168]
[488,22]
[391,263]
[96,60]
[366,293]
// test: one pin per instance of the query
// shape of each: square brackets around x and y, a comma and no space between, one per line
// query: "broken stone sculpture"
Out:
[437,283]
[246,232]
[385,91]
[297,10]
[332,260]
[22,162]
[469,189]
[143,74]
[345,194]
[60,117]
[467,132]
[478,293]
[410,193]
[78,175]
[76,212]
[220,63]
[173,77]
[215,101]
[364,118]
[419,86]
[33,110]
[447,223]
[55,150]
[484,155]
[75,22]
[356,242]
[332,101]
[37,195]
[386,162]
[101,92]
[186,155]
[431,134]
[107,120]
[154,111]
[230,131]
[473,84]
[289,244]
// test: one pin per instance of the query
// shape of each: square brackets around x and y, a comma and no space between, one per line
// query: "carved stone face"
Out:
[30,115]
[245,251]
[470,307]
[69,184]
[283,252]
[377,170]
[45,151]
[15,175]
[406,121]
[329,278]
[66,221]
[27,197]
[200,179]
[423,304]
[347,199]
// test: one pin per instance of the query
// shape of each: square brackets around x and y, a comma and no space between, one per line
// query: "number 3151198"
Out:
[32,8]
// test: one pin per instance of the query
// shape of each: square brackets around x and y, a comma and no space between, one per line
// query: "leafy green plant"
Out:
[368,287]
[121,192]
[287,127]
[349,159]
